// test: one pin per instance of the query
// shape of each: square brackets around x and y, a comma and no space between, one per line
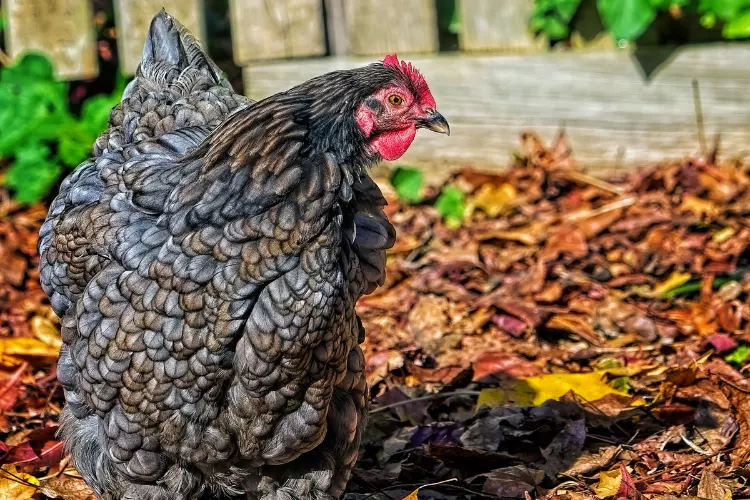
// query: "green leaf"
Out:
[739,355]
[666,4]
[621,384]
[626,19]
[555,29]
[36,66]
[566,9]
[726,10]
[553,17]
[708,20]
[408,184]
[450,204]
[454,26]
[73,151]
[738,27]
[32,175]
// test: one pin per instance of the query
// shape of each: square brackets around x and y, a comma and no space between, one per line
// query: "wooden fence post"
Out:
[134,17]
[270,29]
[379,27]
[493,25]
[61,29]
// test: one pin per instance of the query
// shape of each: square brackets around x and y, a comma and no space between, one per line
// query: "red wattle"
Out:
[392,145]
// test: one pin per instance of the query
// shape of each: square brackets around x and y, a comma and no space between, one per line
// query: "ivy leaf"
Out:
[737,27]
[450,204]
[626,19]
[408,184]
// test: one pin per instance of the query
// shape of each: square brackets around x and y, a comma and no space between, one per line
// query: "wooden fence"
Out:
[501,80]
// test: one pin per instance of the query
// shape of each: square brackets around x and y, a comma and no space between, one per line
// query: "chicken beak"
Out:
[434,121]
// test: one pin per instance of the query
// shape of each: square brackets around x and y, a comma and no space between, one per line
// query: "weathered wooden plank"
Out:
[611,114]
[263,29]
[134,17]
[61,29]
[338,45]
[486,26]
[379,27]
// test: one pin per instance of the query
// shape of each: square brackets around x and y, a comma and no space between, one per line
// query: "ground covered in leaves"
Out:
[542,334]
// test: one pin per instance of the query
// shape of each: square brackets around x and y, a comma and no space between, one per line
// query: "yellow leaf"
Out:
[414,495]
[492,200]
[722,235]
[534,391]
[675,279]
[609,483]
[26,346]
[44,329]
[16,485]
[699,206]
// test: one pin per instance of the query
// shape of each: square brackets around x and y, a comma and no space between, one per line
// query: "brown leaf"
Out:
[67,488]
[590,463]
[710,487]
[503,363]
[576,324]
[741,402]
[568,241]
[512,482]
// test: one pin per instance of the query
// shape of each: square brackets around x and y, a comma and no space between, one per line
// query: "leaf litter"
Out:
[542,333]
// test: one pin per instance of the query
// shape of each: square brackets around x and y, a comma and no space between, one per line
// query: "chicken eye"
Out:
[396,99]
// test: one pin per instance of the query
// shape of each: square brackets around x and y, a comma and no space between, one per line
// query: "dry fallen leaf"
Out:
[533,391]
[16,485]
[67,488]
[24,346]
[46,331]
[672,282]
[492,200]
[710,487]
[609,483]
[616,483]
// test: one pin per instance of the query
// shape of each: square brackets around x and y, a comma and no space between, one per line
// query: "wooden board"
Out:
[486,26]
[613,117]
[267,29]
[61,29]
[380,27]
[134,18]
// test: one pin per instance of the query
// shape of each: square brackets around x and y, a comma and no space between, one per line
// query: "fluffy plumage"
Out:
[205,265]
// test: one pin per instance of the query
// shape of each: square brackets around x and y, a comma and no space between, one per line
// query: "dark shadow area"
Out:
[508,451]
[447,20]
[219,40]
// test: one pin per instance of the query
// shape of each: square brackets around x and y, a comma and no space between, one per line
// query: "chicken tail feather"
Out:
[171,49]
[177,85]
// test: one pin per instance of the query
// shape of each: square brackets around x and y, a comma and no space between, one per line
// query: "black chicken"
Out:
[205,265]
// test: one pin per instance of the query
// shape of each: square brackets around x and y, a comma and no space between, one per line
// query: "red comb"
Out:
[416,78]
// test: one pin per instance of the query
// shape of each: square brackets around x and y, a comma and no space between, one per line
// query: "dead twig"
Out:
[425,398]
